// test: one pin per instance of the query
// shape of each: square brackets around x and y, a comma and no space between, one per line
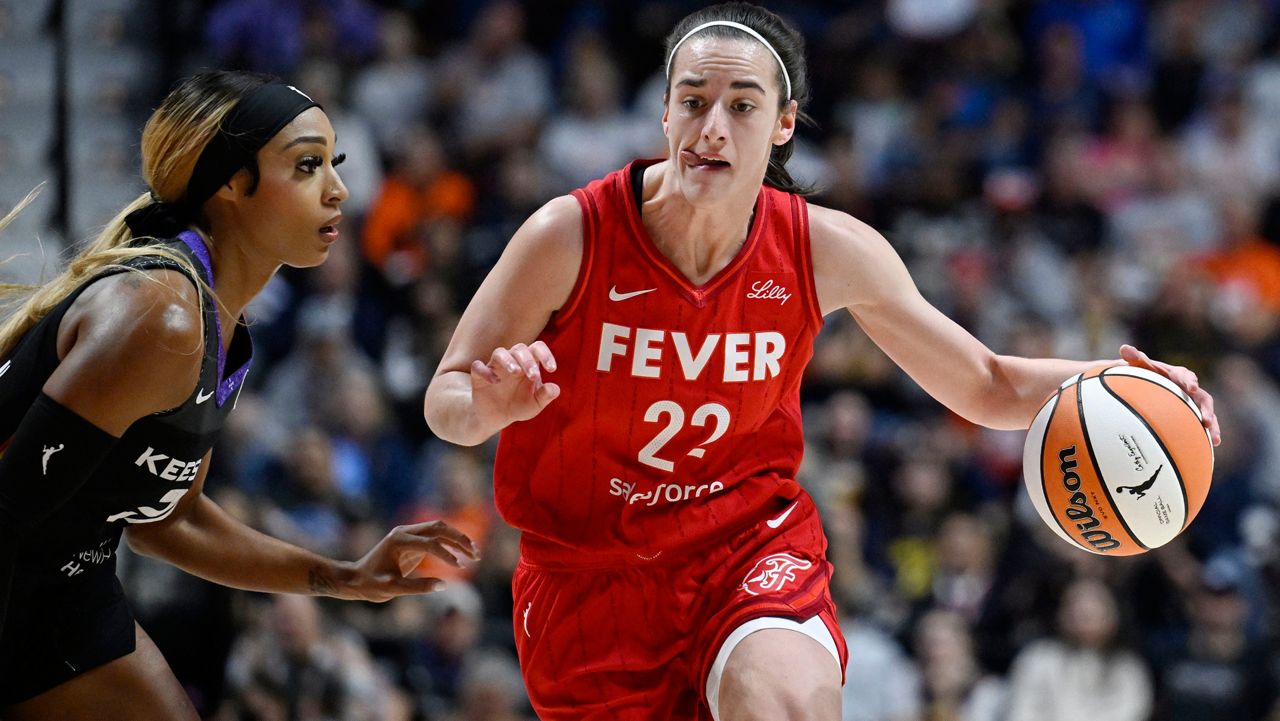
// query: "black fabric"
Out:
[251,124]
[66,631]
[48,460]
[637,183]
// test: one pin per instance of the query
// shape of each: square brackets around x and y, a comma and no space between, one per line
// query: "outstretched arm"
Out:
[206,541]
[857,269]
[491,373]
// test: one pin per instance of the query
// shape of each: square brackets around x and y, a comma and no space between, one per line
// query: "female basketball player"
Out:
[115,379]
[671,566]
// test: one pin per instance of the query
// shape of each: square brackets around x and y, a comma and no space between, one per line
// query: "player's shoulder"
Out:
[560,215]
[830,225]
[131,344]
[154,313]
[836,236]
[554,231]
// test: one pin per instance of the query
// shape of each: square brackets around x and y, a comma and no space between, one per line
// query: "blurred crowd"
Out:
[1061,176]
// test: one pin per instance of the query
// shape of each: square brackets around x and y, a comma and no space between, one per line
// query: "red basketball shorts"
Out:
[638,642]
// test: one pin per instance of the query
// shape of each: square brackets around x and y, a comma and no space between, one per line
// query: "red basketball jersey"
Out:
[679,413]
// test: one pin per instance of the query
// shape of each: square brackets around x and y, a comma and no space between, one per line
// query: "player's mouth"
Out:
[708,162]
[330,232]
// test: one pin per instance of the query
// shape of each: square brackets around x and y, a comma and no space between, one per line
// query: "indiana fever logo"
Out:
[771,573]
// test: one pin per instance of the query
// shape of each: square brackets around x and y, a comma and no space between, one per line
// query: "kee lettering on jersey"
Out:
[169,469]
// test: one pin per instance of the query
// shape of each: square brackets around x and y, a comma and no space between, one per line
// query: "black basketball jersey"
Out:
[157,458]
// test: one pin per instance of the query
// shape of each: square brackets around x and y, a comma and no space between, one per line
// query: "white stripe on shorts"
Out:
[814,628]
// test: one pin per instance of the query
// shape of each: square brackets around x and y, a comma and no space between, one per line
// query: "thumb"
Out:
[1133,356]
[546,393]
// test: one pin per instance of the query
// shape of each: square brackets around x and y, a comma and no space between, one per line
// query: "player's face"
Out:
[722,117]
[294,213]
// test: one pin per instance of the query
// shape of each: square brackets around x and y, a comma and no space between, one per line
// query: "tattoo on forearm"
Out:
[320,583]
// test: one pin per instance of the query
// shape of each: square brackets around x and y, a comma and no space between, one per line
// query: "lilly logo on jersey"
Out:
[769,290]
[772,573]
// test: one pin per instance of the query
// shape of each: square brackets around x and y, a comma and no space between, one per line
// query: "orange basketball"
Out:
[1118,462]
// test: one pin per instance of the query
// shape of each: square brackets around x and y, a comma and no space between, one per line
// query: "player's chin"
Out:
[316,254]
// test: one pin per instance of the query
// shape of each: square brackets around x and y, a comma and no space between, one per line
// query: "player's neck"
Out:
[698,241]
[238,277]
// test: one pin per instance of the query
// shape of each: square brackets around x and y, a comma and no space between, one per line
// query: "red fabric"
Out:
[577,479]
[635,643]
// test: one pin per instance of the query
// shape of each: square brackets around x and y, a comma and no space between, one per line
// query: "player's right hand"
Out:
[509,387]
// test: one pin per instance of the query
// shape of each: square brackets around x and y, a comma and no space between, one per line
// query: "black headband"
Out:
[250,125]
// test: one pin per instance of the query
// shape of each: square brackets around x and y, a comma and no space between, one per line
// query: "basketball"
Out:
[1117,462]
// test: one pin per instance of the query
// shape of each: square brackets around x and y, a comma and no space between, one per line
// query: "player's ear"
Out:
[236,187]
[786,126]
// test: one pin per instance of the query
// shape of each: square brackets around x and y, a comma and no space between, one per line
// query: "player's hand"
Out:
[1185,379]
[383,572]
[509,387]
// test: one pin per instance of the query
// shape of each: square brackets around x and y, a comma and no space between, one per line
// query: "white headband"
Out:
[737,26]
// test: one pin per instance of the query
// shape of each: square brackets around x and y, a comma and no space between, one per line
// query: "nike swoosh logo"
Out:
[201,396]
[775,522]
[615,295]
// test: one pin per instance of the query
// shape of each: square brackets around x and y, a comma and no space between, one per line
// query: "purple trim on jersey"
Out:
[194,242]
[226,386]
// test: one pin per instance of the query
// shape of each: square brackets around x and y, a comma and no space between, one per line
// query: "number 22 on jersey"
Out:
[717,414]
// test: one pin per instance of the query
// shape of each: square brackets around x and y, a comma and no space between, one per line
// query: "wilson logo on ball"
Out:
[1080,511]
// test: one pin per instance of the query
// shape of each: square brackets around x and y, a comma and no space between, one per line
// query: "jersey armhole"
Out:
[804,247]
[588,206]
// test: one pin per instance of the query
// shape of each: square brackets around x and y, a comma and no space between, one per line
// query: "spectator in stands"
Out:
[955,686]
[274,36]
[396,90]
[1216,672]
[420,189]
[495,89]
[1085,671]
[300,667]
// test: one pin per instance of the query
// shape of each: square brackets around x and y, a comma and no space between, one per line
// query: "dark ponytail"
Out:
[790,48]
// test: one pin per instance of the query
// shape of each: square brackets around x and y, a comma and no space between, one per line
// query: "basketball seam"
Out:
[1088,444]
[1186,399]
[1044,482]
[1186,508]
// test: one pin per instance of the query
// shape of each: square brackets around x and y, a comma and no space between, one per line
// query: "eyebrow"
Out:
[735,85]
[317,139]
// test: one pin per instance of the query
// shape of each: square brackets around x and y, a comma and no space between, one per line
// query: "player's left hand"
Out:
[1185,379]
[383,572]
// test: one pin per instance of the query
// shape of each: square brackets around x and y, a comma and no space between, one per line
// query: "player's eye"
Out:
[310,163]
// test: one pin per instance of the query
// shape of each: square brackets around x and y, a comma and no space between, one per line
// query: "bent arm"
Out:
[532,280]
[206,541]
[857,269]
